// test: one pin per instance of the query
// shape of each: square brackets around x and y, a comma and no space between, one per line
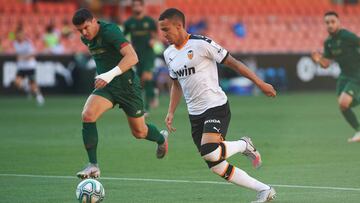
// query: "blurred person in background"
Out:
[66,30]
[343,47]
[143,32]
[52,40]
[26,66]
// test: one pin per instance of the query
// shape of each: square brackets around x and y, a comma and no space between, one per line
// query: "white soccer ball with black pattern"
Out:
[90,191]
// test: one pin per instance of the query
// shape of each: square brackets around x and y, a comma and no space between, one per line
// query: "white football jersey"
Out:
[194,66]
[25,48]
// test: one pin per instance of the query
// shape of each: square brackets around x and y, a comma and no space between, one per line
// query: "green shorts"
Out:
[128,98]
[145,64]
[350,87]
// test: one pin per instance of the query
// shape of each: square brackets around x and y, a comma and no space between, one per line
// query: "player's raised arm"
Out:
[175,96]
[129,59]
[241,68]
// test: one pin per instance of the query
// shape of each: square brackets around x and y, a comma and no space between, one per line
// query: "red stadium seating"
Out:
[271,25]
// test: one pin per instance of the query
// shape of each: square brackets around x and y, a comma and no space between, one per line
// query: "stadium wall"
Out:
[68,74]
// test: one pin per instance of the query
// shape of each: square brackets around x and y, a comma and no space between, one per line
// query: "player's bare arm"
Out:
[241,68]
[175,96]
[129,59]
[318,58]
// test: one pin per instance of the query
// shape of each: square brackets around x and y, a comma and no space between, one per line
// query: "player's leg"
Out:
[130,100]
[348,93]
[94,107]
[149,88]
[146,66]
[215,151]
[35,90]
[19,81]
[345,100]
[142,130]
[212,142]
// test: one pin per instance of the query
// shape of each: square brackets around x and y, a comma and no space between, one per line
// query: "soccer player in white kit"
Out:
[26,65]
[191,60]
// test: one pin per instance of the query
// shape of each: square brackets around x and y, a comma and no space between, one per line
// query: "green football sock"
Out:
[149,93]
[90,138]
[154,134]
[350,117]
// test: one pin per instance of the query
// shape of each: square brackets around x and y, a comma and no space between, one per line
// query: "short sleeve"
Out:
[327,52]
[352,38]
[115,37]
[215,51]
[172,73]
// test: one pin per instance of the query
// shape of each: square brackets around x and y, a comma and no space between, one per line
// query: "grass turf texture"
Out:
[302,138]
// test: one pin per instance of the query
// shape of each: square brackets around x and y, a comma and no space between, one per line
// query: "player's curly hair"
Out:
[81,16]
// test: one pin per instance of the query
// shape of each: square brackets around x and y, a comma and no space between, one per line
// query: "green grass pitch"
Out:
[302,138]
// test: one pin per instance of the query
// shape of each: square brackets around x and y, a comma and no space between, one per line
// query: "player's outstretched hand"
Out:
[100,83]
[168,121]
[268,89]
[316,56]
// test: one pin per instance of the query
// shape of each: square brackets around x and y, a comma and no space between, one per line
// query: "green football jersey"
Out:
[105,49]
[344,48]
[140,32]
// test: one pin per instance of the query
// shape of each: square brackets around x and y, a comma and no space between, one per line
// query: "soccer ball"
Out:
[90,191]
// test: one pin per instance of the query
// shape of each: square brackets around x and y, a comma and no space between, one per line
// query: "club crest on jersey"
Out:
[190,54]
[146,25]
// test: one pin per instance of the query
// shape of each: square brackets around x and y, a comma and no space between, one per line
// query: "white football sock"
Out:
[233,147]
[241,178]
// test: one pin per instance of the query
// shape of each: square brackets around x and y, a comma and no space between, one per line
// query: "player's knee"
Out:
[139,133]
[88,116]
[212,151]
[344,105]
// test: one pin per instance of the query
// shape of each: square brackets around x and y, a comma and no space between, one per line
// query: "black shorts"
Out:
[27,74]
[214,120]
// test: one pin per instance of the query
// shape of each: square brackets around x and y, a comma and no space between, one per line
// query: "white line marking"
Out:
[178,181]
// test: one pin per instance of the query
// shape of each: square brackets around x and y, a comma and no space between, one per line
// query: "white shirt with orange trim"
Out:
[194,66]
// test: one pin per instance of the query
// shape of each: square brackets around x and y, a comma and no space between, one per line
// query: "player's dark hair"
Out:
[172,13]
[141,1]
[331,13]
[81,16]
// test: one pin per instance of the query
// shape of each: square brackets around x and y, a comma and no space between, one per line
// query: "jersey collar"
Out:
[183,44]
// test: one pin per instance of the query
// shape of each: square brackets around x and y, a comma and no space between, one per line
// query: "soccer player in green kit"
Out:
[116,83]
[343,47]
[143,32]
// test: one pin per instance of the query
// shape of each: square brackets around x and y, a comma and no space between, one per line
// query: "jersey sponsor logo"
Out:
[186,71]
[97,51]
[138,112]
[190,54]
[212,121]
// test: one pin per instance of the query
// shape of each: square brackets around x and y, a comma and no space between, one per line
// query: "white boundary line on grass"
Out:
[177,181]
